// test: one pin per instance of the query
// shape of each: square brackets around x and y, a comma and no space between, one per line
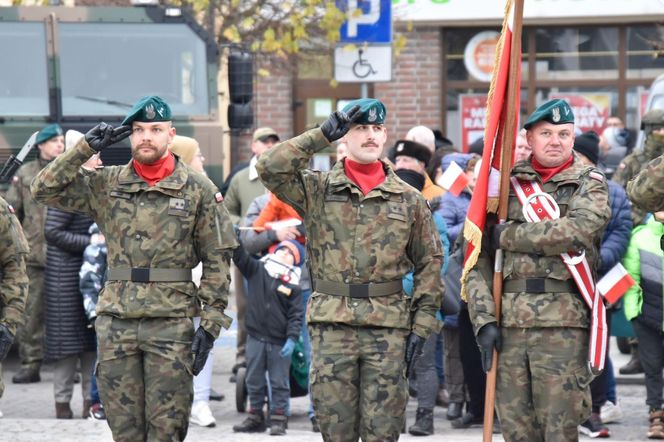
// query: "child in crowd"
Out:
[644,261]
[274,320]
[92,277]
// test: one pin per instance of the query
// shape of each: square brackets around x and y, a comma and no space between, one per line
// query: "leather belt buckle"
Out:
[140,274]
[535,285]
[358,290]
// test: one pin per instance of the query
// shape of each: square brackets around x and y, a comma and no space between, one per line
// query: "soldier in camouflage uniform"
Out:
[542,391]
[13,280]
[646,188]
[50,142]
[365,230]
[652,124]
[160,220]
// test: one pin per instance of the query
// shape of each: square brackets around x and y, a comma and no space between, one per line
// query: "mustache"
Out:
[144,145]
[370,144]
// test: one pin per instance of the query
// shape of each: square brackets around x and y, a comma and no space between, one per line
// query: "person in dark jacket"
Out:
[453,209]
[68,337]
[612,249]
[274,321]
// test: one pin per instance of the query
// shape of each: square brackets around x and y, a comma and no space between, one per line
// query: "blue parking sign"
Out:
[373,25]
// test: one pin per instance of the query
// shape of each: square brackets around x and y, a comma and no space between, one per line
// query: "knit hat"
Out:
[295,248]
[477,146]
[72,137]
[411,177]
[588,144]
[184,147]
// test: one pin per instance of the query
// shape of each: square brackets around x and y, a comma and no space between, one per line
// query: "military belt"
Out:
[368,290]
[540,285]
[146,274]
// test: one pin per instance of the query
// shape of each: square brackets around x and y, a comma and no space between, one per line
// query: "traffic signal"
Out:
[241,89]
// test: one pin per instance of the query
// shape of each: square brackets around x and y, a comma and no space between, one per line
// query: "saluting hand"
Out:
[339,122]
[104,135]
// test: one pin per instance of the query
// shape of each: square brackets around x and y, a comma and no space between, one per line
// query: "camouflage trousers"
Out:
[145,377]
[358,381]
[30,334]
[2,384]
[542,390]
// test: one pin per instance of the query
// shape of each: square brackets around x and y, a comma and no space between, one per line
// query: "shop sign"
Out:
[472,108]
[480,54]
[591,110]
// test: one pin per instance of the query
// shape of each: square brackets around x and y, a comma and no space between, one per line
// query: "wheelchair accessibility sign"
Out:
[367,64]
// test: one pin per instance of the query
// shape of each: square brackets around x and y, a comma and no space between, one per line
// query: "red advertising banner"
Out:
[643,103]
[591,110]
[472,108]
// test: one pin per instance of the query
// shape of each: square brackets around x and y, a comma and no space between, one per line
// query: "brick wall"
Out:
[414,96]
[274,102]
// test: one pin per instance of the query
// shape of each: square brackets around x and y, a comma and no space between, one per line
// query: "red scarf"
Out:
[366,176]
[546,173]
[157,171]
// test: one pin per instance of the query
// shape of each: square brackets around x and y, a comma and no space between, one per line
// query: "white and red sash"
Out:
[540,206]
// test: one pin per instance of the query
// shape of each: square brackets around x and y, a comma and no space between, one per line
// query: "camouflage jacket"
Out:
[631,166]
[174,224]
[532,250]
[14,279]
[356,238]
[30,213]
[646,189]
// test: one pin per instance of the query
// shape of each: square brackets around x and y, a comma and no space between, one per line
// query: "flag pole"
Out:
[511,107]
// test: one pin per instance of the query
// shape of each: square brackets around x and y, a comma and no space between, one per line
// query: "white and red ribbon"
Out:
[539,206]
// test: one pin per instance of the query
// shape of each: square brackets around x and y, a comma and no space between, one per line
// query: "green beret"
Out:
[372,111]
[553,111]
[149,109]
[50,131]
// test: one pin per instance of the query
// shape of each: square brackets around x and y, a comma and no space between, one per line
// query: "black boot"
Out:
[634,364]
[454,410]
[254,423]
[423,425]
[26,376]
[278,425]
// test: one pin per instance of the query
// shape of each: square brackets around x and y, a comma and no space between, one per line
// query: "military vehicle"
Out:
[77,66]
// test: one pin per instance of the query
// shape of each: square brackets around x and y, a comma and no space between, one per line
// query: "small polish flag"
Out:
[615,283]
[278,225]
[454,179]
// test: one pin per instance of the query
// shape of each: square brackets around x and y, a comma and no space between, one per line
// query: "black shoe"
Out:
[26,376]
[278,425]
[423,425]
[216,396]
[594,428]
[232,379]
[254,423]
[314,425]
[633,366]
[454,410]
[467,420]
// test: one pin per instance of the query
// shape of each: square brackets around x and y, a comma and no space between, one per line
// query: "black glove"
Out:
[495,231]
[413,352]
[338,123]
[200,347]
[488,338]
[6,340]
[104,135]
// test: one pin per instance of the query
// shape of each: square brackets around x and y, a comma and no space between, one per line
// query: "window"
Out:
[641,62]
[23,76]
[576,53]
[105,68]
